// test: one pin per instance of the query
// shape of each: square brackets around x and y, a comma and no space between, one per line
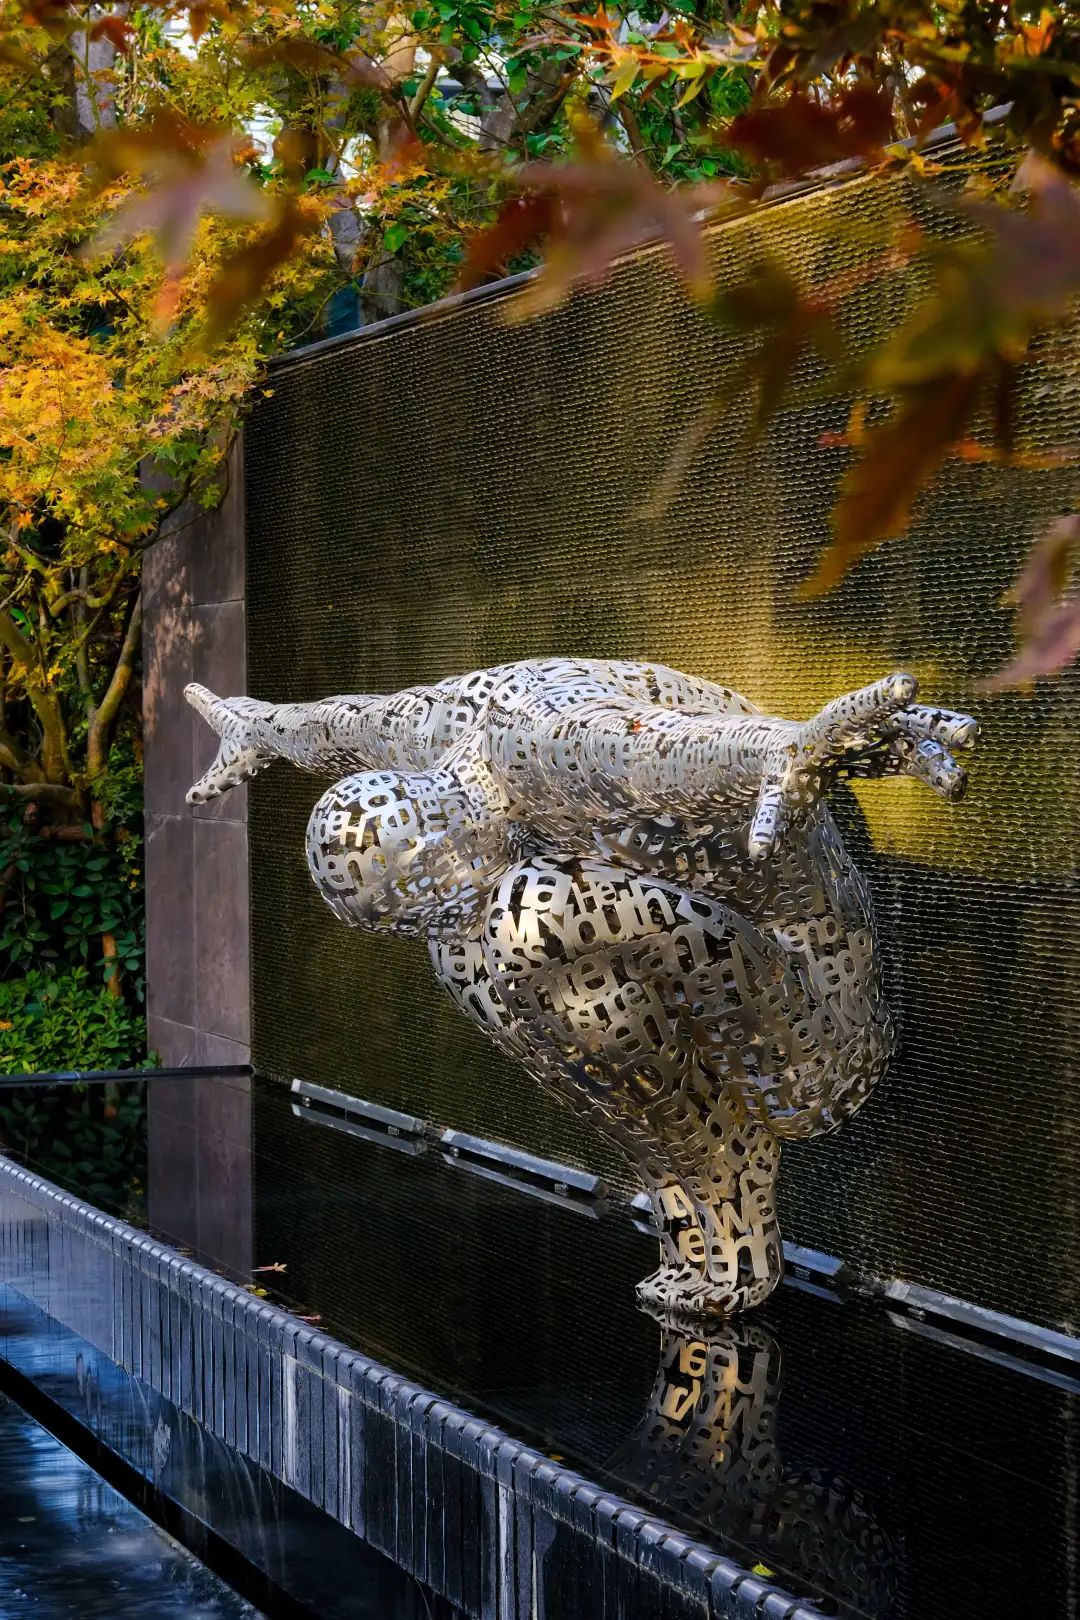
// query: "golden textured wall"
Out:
[468,489]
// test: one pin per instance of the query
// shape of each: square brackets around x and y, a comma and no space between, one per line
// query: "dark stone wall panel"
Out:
[198,976]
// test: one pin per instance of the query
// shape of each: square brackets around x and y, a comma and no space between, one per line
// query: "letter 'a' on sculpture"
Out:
[631,880]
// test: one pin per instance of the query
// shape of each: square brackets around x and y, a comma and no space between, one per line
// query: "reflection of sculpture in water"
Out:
[707,1450]
[629,878]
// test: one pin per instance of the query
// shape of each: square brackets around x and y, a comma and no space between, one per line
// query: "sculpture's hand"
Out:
[237,759]
[876,731]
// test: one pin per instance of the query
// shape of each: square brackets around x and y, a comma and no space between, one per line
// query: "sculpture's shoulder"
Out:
[583,679]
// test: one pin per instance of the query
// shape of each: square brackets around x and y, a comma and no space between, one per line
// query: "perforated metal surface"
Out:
[465,491]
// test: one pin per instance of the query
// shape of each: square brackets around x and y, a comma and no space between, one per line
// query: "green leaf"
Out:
[693,90]
[396,235]
[624,79]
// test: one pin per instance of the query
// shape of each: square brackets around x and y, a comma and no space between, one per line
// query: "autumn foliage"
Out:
[187,188]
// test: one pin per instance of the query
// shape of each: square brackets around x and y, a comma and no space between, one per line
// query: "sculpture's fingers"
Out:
[945,726]
[853,719]
[214,710]
[932,764]
[771,818]
[232,765]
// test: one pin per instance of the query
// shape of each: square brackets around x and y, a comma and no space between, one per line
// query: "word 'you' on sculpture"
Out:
[631,880]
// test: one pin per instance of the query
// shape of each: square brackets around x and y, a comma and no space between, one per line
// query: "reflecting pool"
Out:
[873,1463]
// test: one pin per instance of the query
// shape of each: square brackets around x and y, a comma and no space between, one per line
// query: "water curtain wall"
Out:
[466,489]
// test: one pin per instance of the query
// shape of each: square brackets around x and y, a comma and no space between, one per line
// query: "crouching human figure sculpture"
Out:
[631,880]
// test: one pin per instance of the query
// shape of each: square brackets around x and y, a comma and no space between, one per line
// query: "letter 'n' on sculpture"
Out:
[632,881]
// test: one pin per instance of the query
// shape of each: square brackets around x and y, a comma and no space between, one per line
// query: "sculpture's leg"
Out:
[720,1219]
[463,968]
[604,983]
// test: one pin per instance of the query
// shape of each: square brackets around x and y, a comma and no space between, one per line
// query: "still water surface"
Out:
[868,1461]
[71,1546]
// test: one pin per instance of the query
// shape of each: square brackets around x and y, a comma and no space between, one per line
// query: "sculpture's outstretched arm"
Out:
[608,757]
[876,731]
[579,745]
[413,729]
[408,729]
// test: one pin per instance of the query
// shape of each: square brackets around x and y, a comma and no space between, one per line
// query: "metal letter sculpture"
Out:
[631,880]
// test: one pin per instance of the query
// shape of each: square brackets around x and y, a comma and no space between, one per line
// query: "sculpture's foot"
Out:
[682,1294]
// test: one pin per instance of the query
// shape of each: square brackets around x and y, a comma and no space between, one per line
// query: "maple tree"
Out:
[184,190]
[114,410]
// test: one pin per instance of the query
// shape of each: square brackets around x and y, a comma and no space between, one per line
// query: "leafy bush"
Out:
[91,1139]
[61,898]
[66,1021]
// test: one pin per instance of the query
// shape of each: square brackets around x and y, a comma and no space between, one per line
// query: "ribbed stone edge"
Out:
[449,1497]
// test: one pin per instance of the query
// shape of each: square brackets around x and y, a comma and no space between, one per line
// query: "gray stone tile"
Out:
[223,1005]
[170,919]
[165,564]
[173,1044]
[219,661]
[216,545]
[231,806]
[173,1171]
[168,722]
[175,1099]
[225,1179]
[211,1049]
[185,1344]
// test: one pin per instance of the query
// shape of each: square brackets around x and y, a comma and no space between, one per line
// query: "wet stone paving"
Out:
[72,1546]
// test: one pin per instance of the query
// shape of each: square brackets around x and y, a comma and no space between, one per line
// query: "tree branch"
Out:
[510,119]
[424,88]
[99,735]
[16,643]
[65,834]
[39,792]
[100,605]
[82,654]
[45,706]
[12,755]
[628,119]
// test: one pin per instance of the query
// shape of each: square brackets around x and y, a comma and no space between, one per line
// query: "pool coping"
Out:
[415,1475]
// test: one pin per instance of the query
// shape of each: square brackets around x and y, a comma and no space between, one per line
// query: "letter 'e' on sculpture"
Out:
[632,881]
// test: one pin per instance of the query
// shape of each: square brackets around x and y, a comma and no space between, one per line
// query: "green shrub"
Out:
[66,1021]
[60,898]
